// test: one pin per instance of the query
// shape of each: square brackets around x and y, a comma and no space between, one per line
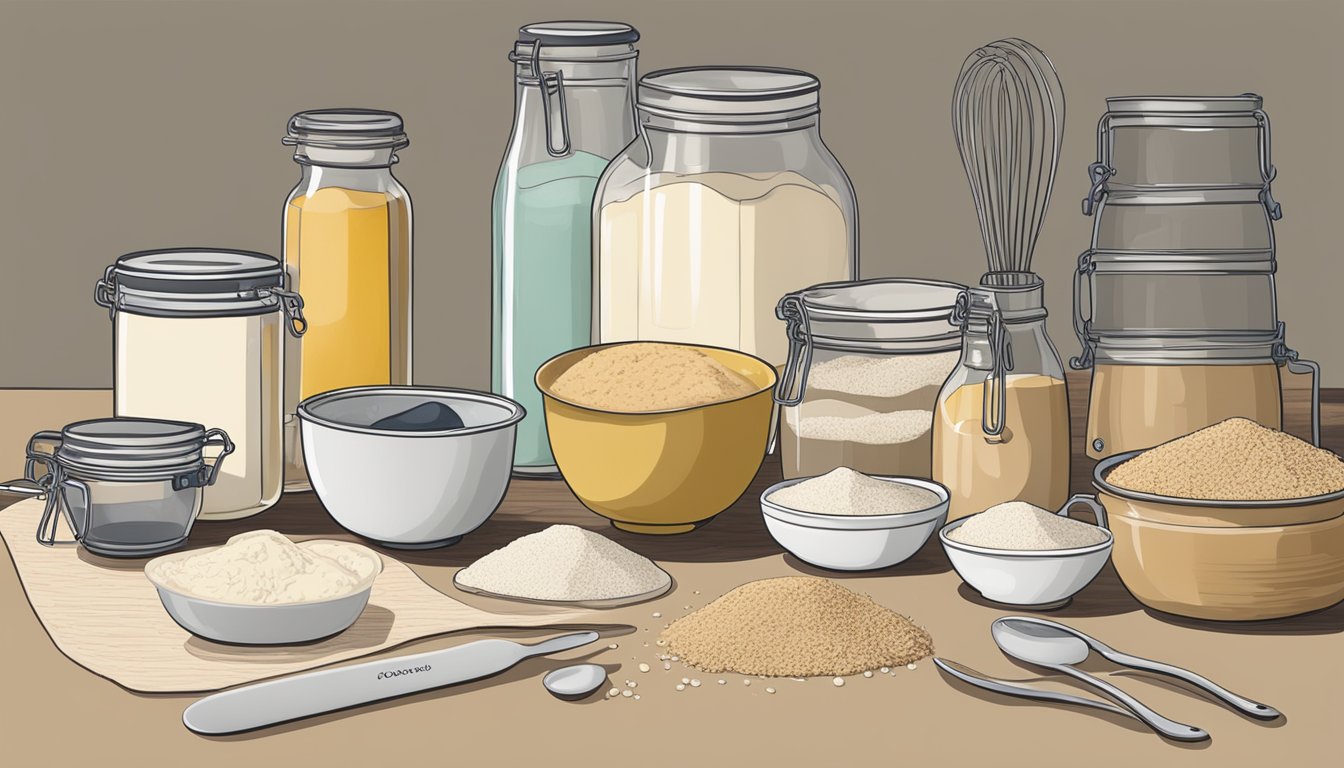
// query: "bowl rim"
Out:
[593,348]
[1026,554]
[1109,463]
[364,587]
[516,410]
[892,521]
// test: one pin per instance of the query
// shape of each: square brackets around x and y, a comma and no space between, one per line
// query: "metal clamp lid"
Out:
[1101,170]
[529,52]
[790,310]
[1286,356]
[994,402]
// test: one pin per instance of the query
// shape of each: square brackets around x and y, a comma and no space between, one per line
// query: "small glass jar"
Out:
[197,337]
[1001,432]
[726,201]
[125,487]
[573,111]
[348,251]
[866,362]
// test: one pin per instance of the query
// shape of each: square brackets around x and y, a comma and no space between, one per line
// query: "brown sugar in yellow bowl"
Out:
[1225,560]
[660,471]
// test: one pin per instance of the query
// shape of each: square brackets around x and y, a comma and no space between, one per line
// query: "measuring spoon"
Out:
[1240,703]
[1049,648]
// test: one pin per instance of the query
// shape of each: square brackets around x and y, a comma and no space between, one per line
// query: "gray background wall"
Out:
[131,125]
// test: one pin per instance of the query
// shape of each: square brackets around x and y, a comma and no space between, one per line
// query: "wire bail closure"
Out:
[546,79]
[994,396]
[790,309]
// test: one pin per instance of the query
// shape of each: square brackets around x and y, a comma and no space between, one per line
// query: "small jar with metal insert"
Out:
[1001,430]
[125,487]
[866,361]
[198,338]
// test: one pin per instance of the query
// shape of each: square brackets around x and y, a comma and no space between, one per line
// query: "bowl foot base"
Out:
[656,530]
[448,542]
[1054,606]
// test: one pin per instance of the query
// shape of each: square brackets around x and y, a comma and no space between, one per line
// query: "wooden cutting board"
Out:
[105,616]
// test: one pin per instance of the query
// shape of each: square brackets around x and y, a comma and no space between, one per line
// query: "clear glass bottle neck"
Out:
[593,116]
[1030,348]
[367,179]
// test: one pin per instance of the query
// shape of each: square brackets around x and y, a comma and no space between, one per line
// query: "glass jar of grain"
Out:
[1001,429]
[197,338]
[866,360]
[348,251]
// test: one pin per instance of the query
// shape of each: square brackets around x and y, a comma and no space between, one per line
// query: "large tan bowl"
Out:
[664,471]
[1225,560]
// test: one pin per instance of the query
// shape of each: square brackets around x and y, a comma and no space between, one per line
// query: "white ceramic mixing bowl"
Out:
[408,489]
[853,542]
[1045,577]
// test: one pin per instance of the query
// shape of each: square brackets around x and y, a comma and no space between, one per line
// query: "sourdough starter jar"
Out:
[866,361]
[1001,430]
[198,338]
[726,201]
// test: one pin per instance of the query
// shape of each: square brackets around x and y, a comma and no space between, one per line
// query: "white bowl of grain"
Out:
[848,521]
[1017,554]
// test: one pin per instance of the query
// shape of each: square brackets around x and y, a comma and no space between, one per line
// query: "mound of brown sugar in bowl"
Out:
[1233,460]
[649,377]
[796,626]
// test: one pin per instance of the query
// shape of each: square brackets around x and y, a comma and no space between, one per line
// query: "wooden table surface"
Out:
[53,712]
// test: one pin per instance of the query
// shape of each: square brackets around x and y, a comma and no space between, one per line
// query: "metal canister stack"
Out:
[1174,302]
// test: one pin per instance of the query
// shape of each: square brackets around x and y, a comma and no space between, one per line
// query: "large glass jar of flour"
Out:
[727,201]
[866,361]
[1001,430]
[573,111]
[198,337]
[348,251]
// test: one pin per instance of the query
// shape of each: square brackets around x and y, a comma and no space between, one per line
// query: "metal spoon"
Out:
[1024,691]
[1240,703]
[1047,648]
[577,681]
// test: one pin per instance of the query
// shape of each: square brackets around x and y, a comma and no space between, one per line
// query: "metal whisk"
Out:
[1008,118]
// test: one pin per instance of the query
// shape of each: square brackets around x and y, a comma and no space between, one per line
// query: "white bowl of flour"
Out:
[848,521]
[260,588]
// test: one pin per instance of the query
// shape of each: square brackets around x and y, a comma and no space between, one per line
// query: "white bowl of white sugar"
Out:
[848,521]
[1019,554]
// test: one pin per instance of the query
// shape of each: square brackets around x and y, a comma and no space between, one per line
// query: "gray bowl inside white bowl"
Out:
[854,542]
[408,489]
[1044,578]
[264,624]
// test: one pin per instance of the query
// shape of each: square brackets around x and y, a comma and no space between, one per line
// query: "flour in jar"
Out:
[704,258]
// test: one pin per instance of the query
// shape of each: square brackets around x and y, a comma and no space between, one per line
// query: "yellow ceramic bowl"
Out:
[1225,560]
[660,471]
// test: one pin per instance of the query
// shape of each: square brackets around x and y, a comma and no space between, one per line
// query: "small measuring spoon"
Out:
[578,681]
[1047,648]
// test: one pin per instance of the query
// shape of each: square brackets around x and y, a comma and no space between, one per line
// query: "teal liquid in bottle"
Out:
[542,303]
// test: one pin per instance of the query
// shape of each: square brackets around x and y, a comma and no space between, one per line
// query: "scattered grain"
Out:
[839,682]
[796,626]
[643,667]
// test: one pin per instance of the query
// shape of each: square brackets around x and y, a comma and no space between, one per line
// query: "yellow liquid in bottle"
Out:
[350,251]
[1028,462]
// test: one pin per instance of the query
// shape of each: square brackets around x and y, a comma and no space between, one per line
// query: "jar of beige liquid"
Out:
[1001,427]
[198,338]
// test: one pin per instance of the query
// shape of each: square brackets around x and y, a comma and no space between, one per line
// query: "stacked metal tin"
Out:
[1174,303]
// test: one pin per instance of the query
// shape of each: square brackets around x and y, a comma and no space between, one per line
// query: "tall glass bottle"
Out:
[573,112]
[1001,427]
[348,244]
